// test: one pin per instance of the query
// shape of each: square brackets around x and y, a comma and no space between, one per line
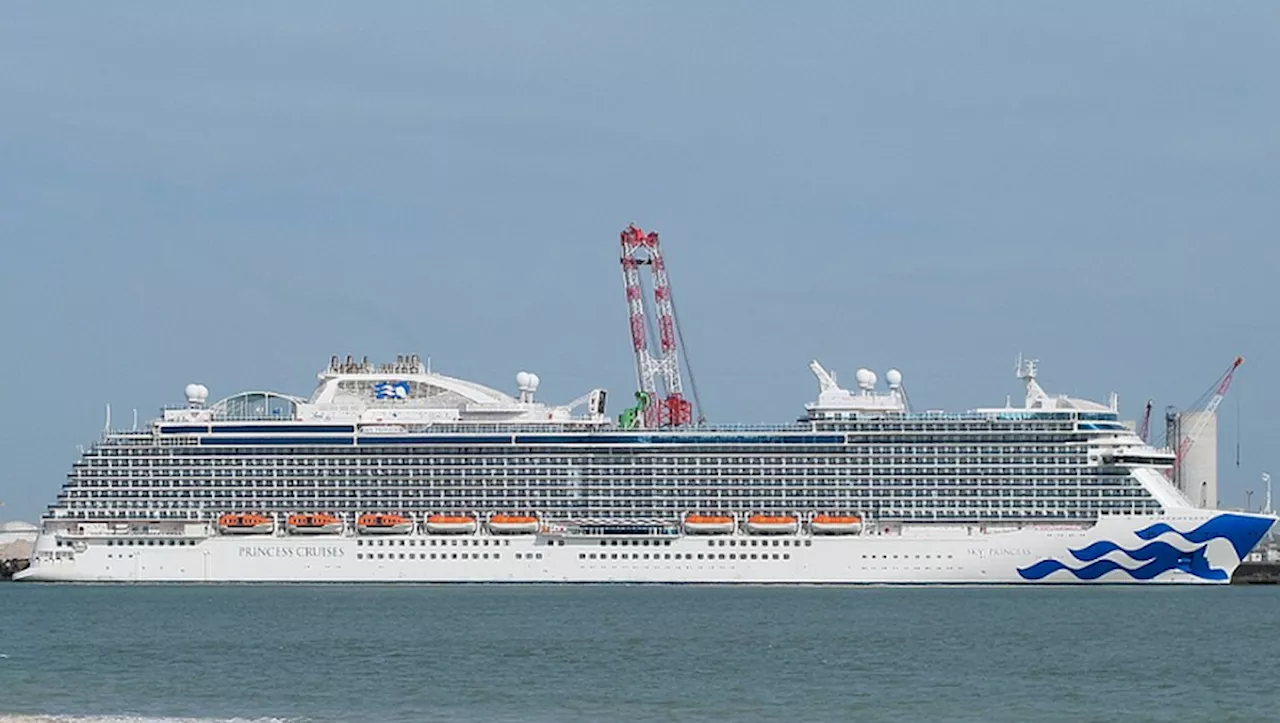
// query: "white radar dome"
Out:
[197,393]
[523,379]
[865,377]
[894,377]
[534,381]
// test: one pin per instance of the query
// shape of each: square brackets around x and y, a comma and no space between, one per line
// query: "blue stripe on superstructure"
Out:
[183,429]
[283,428]
[681,439]
[530,439]
[275,441]
[374,440]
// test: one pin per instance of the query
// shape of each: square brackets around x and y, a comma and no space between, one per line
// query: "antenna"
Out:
[106,427]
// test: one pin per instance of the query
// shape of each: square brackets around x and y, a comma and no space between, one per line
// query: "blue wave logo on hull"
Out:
[1242,531]
[1159,557]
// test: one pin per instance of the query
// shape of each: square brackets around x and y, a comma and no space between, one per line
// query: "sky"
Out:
[231,193]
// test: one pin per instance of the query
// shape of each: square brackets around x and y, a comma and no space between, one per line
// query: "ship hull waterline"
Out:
[1188,547]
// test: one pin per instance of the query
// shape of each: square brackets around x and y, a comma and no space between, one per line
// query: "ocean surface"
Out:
[637,653]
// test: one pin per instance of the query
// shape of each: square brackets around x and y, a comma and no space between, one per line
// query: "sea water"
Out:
[330,653]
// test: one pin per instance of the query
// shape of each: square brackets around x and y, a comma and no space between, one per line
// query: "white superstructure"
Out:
[395,472]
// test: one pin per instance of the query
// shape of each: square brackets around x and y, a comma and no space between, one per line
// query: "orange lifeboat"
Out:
[835,524]
[513,524]
[696,524]
[319,523]
[246,523]
[451,524]
[384,524]
[773,524]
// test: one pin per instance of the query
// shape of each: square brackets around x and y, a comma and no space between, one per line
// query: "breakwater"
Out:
[1257,573]
[8,568]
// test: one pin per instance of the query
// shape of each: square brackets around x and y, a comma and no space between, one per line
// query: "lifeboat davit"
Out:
[319,523]
[773,524]
[246,523]
[835,524]
[451,524]
[384,524]
[513,524]
[708,524]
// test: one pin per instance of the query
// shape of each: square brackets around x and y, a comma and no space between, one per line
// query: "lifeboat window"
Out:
[433,556]
[380,542]
[808,543]
[539,555]
[603,543]
[359,555]
[464,543]
[775,555]
[646,556]
[613,556]
[517,556]
[699,555]
[454,556]
[711,543]
[496,555]
[486,556]
[753,556]
[667,556]
[506,542]
[379,555]
[786,556]
[582,555]
[721,556]
[560,543]
[402,556]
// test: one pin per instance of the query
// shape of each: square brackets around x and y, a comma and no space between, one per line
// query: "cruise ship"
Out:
[395,472]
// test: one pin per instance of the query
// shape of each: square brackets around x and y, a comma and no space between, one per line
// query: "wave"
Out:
[1243,531]
[1162,558]
[1149,551]
[42,718]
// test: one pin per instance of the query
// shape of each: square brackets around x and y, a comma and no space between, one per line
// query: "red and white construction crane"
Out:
[640,249]
[1202,420]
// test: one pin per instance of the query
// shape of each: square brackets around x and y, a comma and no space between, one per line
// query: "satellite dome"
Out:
[894,377]
[534,381]
[193,392]
[204,392]
[523,380]
[865,377]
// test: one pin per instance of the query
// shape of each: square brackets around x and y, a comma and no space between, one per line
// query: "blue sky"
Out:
[229,194]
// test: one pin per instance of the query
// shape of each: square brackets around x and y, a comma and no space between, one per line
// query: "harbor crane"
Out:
[1215,400]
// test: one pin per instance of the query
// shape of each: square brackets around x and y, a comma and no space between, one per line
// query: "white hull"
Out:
[1187,546]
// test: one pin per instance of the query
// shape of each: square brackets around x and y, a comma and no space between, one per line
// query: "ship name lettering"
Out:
[984,552]
[289,551]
